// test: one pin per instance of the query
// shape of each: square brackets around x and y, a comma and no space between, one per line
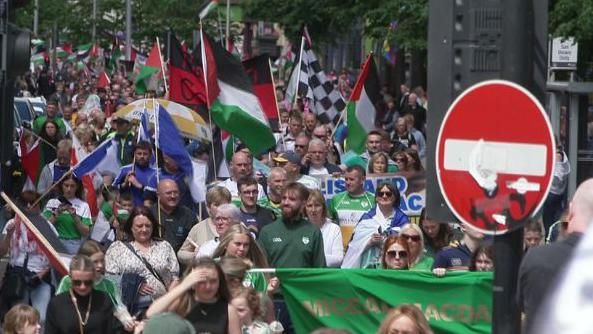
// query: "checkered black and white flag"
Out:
[328,103]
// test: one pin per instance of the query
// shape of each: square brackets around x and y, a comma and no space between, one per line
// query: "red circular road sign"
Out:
[495,156]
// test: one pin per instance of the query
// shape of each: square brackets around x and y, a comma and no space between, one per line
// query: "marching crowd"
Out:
[163,265]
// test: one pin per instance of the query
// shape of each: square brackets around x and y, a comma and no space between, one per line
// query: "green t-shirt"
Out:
[425,264]
[346,211]
[276,208]
[65,224]
[39,121]
[103,285]
[297,244]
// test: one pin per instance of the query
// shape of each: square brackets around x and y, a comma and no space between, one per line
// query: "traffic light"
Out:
[15,57]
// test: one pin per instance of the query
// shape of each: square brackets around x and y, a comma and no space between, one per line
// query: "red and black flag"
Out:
[186,83]
[258,70]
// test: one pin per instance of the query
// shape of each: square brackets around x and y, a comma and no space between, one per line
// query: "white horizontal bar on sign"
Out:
[499,157]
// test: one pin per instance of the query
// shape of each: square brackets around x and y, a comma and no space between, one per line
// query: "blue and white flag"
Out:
[102,160]
[171,144]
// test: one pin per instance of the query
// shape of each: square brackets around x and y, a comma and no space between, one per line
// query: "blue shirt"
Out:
[453,257]
[143,174]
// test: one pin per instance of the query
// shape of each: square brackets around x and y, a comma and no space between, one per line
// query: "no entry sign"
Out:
[495,156]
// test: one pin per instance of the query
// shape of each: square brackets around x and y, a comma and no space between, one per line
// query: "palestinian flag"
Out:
[87,51]
[233,104]
[258,70]
[148,77]
[207,7]
[361,107]
[30,158]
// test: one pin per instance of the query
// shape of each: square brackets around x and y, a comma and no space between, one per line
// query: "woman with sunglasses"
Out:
[419,259]
[386,218]
[396,253]
[82,309]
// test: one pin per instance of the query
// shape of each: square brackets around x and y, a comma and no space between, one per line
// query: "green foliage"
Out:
[572,18]
[328,20]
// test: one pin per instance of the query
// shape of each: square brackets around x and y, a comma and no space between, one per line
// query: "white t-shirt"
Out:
[318,171]
[332,244]
[21,244]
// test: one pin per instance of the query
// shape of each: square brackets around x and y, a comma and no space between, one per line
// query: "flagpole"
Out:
[162,66]
[228,24]
[276,103]
[298,68]
[52,187]
[39,137]
[157,131]
[205,70]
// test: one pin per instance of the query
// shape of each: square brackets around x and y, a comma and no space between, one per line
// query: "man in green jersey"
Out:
[276,184]
[347,207]
[292,241]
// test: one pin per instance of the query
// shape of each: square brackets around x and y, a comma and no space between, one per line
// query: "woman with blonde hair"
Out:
[238,241]
[418,258]
[405,318]
[316,212]
[22,319]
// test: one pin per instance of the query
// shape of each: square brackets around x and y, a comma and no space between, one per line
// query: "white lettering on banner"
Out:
[412,202]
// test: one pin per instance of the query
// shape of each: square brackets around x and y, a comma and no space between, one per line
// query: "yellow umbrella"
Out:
[188,122]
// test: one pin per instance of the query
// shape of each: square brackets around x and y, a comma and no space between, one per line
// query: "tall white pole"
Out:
[228,24]
[128,30]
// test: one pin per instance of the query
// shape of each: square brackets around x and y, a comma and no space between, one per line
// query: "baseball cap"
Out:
[288,156]
[169,323]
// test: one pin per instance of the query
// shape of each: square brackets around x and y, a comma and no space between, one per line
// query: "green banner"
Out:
[358,299]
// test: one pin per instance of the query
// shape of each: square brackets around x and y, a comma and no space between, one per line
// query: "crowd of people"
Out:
[162,258]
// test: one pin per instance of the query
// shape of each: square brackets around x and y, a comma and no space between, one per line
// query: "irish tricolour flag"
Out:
[361,107]
[233,105]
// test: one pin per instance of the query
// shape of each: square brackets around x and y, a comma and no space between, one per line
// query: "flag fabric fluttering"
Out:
[233,105]
[38,229]
[78,153]
[170,142]
[390,47]
[148,78]
[206,8]
[186,84]
[361,110]
[116,54]
[258,70]
[103,81]
[103,160]
[313,83]
[30,158]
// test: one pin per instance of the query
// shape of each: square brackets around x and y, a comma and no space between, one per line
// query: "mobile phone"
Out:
[64,201]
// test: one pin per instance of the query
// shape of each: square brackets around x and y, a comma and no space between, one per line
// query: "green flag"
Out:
[359,299]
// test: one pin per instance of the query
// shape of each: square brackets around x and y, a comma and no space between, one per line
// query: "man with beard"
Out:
[292,241]
[134,177]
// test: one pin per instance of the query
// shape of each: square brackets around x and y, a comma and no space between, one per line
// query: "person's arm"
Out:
[187,251]
[318,260]
[336,255]
[234,325]
[6,236]
[169,300]
[51,321]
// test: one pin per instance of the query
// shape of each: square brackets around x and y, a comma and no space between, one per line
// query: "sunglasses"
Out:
[77,282]
[415,238]
[384,194]
[401,254]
